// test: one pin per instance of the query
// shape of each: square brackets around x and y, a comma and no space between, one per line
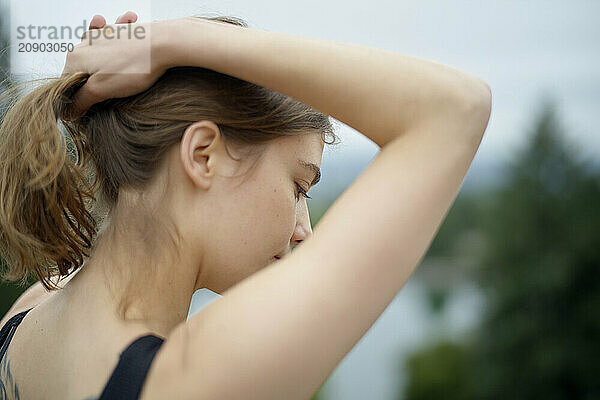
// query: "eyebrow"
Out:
[314,168]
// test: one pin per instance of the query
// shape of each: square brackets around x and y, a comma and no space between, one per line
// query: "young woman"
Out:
[202,164]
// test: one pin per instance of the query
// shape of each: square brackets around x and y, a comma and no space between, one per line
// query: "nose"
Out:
[302,230]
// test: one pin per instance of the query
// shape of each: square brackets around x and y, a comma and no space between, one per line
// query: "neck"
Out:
[138,289]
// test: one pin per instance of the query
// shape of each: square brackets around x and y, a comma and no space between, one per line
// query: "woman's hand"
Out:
[120,62]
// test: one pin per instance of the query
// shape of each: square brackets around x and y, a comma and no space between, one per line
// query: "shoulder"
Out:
[166,377]
[30,298]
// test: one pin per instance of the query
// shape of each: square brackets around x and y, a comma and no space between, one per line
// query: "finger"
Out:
[83,99]
[97,22]
[128,17]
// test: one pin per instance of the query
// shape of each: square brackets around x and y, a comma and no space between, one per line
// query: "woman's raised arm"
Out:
[280,333]
[377,92]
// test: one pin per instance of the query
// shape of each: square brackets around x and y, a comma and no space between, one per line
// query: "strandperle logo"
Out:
[42,35]
[65,32]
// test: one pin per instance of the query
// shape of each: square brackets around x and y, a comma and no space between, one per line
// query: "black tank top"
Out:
[126,380]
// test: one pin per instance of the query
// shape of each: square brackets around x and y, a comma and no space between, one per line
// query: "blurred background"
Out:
[506,303]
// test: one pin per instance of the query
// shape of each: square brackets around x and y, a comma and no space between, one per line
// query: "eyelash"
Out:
[301,192]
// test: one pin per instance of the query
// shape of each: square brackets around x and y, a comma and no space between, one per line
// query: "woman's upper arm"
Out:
[282,331]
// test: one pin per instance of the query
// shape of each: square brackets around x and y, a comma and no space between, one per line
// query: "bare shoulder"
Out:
[30,298]
[165,376]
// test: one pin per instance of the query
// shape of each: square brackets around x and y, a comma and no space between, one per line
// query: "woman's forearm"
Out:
[377,92]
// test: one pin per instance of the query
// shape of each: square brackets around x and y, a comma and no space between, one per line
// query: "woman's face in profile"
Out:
[262,216]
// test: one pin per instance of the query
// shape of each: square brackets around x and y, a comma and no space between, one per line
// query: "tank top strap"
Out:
[127,379]
[8,330]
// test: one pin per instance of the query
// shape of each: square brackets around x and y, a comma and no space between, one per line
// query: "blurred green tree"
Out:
[538,336]
[439,370]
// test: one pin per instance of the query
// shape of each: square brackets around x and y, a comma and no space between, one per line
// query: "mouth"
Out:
[276,258]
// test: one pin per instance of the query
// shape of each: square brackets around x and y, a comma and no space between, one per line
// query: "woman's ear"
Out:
[201,151]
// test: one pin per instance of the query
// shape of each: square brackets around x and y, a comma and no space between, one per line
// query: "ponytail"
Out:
[45,226]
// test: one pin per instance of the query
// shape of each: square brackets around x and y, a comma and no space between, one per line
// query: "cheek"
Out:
[281,212]
[266,222]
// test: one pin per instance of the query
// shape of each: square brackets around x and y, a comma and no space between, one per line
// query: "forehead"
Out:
[306,147]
